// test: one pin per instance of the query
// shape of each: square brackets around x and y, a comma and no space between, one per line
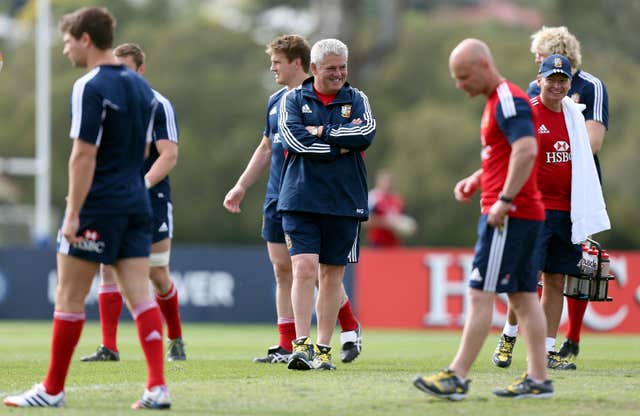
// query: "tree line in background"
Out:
[218,80]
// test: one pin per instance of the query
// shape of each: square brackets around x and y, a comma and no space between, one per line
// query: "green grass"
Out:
[219,378]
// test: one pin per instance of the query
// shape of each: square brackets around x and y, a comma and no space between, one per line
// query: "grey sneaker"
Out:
[175,352]
[102,354]
[275,354]
[525,387]
[445,384]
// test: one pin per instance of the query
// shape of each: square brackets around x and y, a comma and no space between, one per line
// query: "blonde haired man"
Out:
[585,89]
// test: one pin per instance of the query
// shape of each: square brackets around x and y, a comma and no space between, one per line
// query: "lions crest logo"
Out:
[557,63]
[345,111]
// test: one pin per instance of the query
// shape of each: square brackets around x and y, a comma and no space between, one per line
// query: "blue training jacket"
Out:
[316,177]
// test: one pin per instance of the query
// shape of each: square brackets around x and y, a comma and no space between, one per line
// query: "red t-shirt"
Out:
[324,98]
[506,118]
[384,204]
[554,155]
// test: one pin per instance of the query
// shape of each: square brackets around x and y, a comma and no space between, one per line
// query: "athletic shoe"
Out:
[525,387]
[175,352]
[36,397]
[351,342]
[569,349]
[445,384]
[322,358]
[302,355]
[275,354]
[555,362]
[504,351]
[102,354]
[156,398]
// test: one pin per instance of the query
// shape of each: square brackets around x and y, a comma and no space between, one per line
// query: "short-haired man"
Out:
[162,159]
[590,91]
[108,216]
[325,125]
[508,231]
[290,56]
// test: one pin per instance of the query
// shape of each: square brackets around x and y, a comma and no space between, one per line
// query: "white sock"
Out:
[550,343]
[510,330]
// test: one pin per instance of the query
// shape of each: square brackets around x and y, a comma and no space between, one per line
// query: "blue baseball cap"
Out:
[555,64]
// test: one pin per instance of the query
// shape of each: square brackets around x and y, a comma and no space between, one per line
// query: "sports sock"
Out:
[67,328]
[287,330]
[510,330]
[169,306]
[347,319]
[550,343]
[110,307]
[577,309]
[149,323]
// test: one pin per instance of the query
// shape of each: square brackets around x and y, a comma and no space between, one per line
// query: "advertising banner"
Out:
[426,288]
[214,284]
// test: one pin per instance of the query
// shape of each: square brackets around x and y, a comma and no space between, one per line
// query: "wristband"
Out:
[505,199]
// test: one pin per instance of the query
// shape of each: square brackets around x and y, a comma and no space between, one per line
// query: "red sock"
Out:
[577,309]
[149,324]
[67,328]
[347,319]
[287,330]
[170,310]
[110,306]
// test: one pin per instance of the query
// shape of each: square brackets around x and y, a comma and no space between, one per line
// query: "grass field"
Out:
[220,379]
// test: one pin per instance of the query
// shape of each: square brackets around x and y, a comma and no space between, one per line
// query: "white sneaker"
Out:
[36,397]
[156,398]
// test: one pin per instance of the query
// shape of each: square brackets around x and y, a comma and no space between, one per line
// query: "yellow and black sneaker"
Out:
[555,362]
[302,355]
[526,387]
[504,351]
[445,384]
[322,359]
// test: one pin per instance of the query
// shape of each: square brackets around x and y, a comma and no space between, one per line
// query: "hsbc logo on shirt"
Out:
[561,153]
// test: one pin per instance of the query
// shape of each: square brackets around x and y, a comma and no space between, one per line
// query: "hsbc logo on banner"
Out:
[441,289]
[434,288]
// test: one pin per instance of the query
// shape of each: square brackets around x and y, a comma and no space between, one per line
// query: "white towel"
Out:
[588,211]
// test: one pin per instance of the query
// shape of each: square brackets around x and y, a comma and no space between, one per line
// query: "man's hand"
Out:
[497,212]
[70,227]
[464,189]
[233,199]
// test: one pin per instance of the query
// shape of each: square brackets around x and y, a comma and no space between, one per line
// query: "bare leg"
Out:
[476,329]
[552,301]
[534,328]
[330,294]
[159,275]
[279,256]
[305,273]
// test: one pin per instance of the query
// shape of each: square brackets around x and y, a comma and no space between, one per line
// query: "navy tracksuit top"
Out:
[316,177]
